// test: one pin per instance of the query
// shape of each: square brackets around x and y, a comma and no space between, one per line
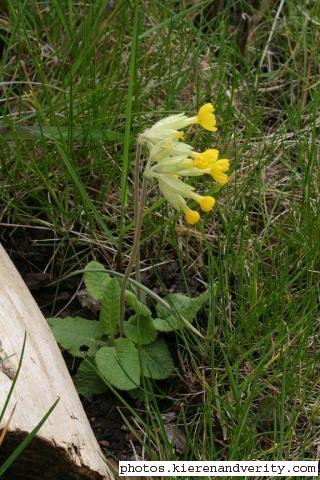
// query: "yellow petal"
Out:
[211,154]
[224,164]
[219,177]
[206,159]
[206,108]
[200,162]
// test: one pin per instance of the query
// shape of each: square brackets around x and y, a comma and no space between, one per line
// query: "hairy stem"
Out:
[139,205]
[136,209]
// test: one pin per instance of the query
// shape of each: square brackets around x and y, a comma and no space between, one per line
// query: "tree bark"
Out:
[65,447]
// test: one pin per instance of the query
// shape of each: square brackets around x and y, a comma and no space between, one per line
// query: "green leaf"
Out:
[199,301]
[181,305]
[156,361]
[87,381]
[110,308]
[96,279]
[141,395]
[169,325]
[140,329]
[77,335]
[119,364]
[135,304]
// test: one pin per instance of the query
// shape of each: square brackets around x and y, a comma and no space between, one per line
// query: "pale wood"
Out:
[65,443]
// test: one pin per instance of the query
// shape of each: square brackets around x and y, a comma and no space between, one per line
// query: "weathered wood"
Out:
[65,447]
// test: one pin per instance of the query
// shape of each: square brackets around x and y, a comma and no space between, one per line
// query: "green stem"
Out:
[136,210]
[134,251]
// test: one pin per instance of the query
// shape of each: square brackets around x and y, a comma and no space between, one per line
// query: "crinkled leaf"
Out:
[135,304]
[140,329]
[169,325]
[119,364]
[181,305]
[88,382]
[77,335]
[199,301]
[96,279]
[156,361]
[110,308]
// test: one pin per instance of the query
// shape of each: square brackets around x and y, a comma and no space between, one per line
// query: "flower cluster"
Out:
[170,159]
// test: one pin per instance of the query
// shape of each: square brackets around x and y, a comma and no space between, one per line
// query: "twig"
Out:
[6,427]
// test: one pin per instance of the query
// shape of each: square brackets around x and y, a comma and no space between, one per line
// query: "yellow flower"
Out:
[175,191]
[170,126]
[206,118]
[170,160]
[167,128]
[191,216]
[206,159]
[218,169]
[209,163]
[207,203]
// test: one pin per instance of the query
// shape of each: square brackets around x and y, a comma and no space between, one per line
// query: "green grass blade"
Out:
[13,457]
[128,124]
[14,379]
[52,133]
[88,204]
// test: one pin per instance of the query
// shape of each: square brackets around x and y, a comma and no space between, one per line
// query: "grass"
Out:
[80,81]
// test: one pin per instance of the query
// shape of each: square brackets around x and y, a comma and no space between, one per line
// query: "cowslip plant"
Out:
[122,352]
[142,351]
[170,159]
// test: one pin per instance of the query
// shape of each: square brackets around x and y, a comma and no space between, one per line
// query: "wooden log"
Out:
[65,447]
